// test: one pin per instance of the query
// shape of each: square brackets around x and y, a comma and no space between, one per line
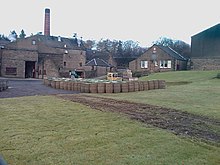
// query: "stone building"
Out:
[205,49]
[98,63]
[158,59]
[41,56]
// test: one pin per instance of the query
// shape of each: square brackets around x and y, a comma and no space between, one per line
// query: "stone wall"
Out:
[16,59]
[205,64]
[135,65]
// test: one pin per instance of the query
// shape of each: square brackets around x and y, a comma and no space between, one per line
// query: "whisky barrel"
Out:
[131,86]
[151,84]
[109,87]
[69,85]
[79,85]
[145,83]
[65,85]
[61,84]
[124,87]
[136,86]
[156,84]
[93,88]
[162,84]
[116,87]
[86,87]
[101,87]
[53,83]
[141,86]
[82,87]
[75,86]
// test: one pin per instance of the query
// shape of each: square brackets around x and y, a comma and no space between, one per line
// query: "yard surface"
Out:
[49,130]
[180,123]
[61,130]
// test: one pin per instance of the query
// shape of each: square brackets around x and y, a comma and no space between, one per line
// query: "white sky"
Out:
[139,20]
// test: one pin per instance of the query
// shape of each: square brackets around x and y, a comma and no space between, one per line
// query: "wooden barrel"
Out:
[61,84]
[101,88]
[162,84]
[86,87]
[131,86]
[141,86]
[49,82]
[109,87]
[145,83]
[136,86]
[156,84]
[75,86]
[69,85]
[53,83]
[124,87]
[116,87]
[79,86]
[72,85]
[151,84]
[82,87]
[93,88]
[65,85]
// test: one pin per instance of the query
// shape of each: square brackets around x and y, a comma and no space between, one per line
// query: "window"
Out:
[11,71]
[33,42]
[165,64]
[144,64]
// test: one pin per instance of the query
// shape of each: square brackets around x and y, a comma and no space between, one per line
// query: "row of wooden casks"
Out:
[106,87]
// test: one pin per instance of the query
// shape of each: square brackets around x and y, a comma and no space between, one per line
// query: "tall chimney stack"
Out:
[47,22]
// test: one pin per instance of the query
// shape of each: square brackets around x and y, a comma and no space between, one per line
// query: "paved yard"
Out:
[30,87]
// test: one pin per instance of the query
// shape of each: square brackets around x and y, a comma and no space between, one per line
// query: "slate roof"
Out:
[59,42]
[97,62]
[3,42]
[172,52]
[91,54]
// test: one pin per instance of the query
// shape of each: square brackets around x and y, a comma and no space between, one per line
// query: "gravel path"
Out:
[30,87]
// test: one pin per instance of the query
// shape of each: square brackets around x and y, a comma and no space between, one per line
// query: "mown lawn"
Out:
[47,130]
[196,92]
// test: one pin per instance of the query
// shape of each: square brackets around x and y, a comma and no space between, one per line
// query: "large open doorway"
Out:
[30,69]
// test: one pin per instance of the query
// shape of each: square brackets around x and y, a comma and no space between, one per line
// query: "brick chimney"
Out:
[47,22]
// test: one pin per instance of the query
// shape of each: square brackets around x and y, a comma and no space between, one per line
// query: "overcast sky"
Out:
[139,20]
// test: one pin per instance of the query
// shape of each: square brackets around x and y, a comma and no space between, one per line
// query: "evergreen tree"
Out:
[22,35]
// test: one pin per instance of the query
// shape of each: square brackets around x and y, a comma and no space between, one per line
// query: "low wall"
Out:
[3,85]
[85,86]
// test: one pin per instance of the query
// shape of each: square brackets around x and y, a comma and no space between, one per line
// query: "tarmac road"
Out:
[30,87]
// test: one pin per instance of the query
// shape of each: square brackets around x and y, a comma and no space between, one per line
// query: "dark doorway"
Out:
[30,69]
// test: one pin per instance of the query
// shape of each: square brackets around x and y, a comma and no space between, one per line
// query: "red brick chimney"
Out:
[47,22]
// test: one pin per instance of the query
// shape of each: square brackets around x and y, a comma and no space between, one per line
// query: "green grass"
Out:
[196,92]
[47,130]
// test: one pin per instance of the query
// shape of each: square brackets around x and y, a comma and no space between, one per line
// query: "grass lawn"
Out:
[196,92]
[48,130]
